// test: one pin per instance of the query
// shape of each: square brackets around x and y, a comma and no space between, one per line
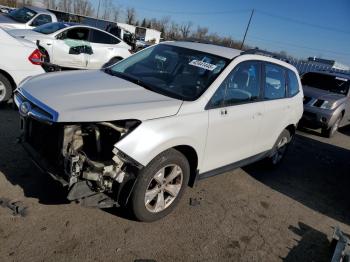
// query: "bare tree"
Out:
[130,16]
[115,13]
[65,5]
[107,8]
[201,32]
[185,29]
[173,32]
[82,7]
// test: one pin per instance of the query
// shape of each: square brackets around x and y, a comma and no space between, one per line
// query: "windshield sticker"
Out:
[203,65]
[161,58]
[341,79]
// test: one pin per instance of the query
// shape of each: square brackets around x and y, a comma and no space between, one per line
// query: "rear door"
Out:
[235,117]
[71,48]
[276,103]
[104,46]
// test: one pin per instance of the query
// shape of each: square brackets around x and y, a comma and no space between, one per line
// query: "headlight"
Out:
[327,105]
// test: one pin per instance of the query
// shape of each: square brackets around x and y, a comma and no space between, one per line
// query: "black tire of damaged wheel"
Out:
[271,161]
[8,88]
[170,156]
[330,132]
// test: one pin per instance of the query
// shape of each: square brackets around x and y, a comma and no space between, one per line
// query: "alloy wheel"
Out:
[2,91]
[163,188]
[280,150]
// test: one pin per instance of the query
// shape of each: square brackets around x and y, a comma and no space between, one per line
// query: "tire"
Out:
[160,202]
[330,132]
[279,149]
[5,89]
[112,61]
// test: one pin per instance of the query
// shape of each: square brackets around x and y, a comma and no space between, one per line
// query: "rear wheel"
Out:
[160,185]
[330,132]
[5,89]
[280,148]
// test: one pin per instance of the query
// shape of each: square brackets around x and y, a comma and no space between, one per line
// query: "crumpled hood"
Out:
[322,94]
[92,96]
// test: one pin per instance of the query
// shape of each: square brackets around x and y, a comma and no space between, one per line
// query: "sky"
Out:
[302,28]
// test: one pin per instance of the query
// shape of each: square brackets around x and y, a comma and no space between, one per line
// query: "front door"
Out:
[71,48]
[235,117]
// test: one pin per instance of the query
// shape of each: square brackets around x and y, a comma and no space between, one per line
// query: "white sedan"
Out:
[71,45]
[19,59]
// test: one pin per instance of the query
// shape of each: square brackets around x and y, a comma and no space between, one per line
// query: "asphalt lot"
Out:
[250,214]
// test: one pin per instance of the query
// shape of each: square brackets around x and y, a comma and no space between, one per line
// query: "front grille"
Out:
[307,99]
[45,139]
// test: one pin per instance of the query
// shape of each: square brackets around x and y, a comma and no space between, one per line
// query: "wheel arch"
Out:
[191,155]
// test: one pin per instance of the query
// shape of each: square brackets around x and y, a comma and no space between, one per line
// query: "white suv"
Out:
[140,131]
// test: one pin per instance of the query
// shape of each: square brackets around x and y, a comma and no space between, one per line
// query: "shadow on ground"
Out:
[313,173]
[19,170]
[313,245]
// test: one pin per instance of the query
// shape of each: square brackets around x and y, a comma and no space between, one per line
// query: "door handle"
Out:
[48,44]
[223,111]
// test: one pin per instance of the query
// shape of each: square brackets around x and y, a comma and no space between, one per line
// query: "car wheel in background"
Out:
[5,89]
[160,185]
[280,148]
[329,132]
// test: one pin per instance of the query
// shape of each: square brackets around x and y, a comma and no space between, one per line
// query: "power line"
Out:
[303,22]
[195,13]
[299,46]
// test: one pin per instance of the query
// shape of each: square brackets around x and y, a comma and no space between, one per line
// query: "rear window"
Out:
[50,28]
[22,15]
[331,83]
[100,37]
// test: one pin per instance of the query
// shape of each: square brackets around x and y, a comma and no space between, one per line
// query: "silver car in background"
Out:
[326,101]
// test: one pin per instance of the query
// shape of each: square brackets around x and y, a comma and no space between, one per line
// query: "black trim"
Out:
[232,166]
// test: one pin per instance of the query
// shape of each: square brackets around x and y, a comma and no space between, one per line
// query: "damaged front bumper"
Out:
[82,157]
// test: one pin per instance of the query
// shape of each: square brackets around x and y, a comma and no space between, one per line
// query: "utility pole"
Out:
[98,7]
[246,30]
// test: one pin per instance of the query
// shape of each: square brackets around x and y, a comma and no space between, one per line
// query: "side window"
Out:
[100,37]
[75,34]
[293,84]
[41,20]
[241,85]
[275,82]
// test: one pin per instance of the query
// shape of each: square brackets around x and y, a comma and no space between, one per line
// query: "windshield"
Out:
[173,71]
[329,83]
[51,27]
[22,15]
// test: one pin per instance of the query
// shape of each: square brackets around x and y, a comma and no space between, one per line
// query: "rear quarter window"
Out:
[293,84]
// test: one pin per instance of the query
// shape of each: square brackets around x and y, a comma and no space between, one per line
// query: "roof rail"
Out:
[257,51]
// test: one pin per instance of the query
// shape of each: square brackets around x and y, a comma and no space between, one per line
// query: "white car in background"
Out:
[71,45]
[19,59]
[26,18]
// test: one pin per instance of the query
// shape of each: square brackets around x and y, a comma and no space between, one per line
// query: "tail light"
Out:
[36,58]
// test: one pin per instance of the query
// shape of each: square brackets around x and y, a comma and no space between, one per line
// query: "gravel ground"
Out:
[250,214]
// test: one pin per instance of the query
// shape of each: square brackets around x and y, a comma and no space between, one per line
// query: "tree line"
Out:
[109,10]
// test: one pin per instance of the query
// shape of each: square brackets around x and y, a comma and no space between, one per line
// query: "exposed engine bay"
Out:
[83,158]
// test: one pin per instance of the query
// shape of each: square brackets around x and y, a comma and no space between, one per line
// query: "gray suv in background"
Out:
[326,101]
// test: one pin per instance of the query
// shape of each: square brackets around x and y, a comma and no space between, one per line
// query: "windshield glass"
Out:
[329,83]
[51,27]
[22,15]
[173,71]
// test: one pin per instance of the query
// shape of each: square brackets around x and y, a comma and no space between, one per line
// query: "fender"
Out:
[152,137]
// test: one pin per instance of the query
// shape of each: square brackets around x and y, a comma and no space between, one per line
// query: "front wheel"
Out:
[160,185]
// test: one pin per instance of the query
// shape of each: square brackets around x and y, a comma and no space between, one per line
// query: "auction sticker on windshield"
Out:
[203,65]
